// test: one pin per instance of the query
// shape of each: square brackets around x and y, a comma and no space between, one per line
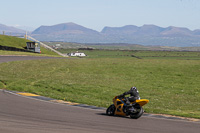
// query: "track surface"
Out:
[20,114]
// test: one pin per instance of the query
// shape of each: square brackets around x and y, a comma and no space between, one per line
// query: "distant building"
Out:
[33,46]
[58,45]
[78,54]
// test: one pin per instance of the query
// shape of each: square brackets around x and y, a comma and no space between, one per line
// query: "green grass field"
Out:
[137,53]
[170,80]
[171,85]
[119,46]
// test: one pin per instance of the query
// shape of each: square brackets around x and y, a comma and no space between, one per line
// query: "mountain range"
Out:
[144,35]
[10,30]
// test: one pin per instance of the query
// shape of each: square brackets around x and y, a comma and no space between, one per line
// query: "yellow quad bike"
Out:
[120,108]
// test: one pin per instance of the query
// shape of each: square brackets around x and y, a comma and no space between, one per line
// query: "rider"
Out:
[134,95]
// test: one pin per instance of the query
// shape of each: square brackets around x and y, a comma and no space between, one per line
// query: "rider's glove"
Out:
[120,96]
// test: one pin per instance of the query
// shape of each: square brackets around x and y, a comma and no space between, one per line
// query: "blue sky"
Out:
[96,14]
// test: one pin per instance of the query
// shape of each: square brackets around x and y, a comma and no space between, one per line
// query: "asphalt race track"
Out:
[20,114]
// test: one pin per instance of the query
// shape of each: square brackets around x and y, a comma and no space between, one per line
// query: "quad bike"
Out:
[119,107]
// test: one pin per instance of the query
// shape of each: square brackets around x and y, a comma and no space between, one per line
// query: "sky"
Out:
[96,14]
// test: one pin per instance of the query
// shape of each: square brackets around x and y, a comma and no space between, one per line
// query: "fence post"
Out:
[26,35]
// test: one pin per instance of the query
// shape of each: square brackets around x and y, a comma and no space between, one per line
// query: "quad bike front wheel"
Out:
[138,113]
[110,110]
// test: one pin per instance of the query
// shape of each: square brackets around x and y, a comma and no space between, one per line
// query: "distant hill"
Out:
[65,28]
[69,32]
[150,35]
[145,35]
[149,30]
[146,30]
[153,35]
[9,30]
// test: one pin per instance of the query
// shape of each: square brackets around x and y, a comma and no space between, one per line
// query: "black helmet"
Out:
[133,88]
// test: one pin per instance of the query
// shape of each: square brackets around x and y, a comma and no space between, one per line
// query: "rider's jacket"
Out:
[133,93]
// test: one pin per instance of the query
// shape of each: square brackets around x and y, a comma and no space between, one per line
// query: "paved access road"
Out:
[20,114]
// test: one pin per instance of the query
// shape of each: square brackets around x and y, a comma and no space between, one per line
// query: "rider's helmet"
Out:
[133,89]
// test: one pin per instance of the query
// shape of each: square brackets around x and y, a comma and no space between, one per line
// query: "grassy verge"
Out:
[13,41]
[172,86]
[16,42]
[16,53]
